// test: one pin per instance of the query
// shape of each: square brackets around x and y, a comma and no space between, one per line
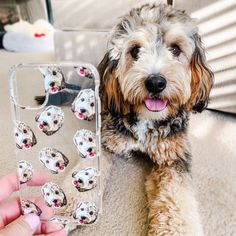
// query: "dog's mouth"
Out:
[61,168]
[155,104]
[92,154]
[43,126]
[27,146]
[80,115]
[54,90]
[81,221]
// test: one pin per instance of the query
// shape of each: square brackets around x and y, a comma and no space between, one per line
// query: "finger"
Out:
[11,210]
[10,183]
[58,233]
[49,227]
[23,226]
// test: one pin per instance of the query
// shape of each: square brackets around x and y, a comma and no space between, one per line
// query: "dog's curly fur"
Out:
[143,43]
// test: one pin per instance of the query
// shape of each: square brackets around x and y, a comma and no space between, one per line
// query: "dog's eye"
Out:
[47,194]
[82,209]
[82,99]
[24,131]
[91,213]
[16,134]
[25,175]
[80,143]
[27,205]
[47,161]
[86,173]
[90,139]
[53,154]
[134,52]
[48,113]
[92,104]
[91,182]
[175,50]
[54,72]
[55,122]
[20,166]
[56,192]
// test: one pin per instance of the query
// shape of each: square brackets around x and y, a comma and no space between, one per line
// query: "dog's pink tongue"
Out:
[155,104]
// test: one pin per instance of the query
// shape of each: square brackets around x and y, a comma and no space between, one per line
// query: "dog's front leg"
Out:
[172,204]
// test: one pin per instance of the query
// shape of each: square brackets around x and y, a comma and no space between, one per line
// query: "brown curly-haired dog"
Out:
[152,76]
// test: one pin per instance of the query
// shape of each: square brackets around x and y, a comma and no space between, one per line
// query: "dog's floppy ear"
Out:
[202,78]
[64,200]
[110,91]
[66,160]
[34,140]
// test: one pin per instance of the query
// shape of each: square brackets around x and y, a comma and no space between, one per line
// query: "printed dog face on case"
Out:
[25,170]
[24,136]
[85,142]
[29,207]
[54,80]
[50,120]
[85,179]
[83,71]
[53,195]
[84,105]
[53,159]
[86,212]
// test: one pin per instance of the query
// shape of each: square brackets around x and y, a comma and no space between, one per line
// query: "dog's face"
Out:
[85,142]
[84,105]
[54,195]
[86,212]
[53,159]
[29,207]
[50,120]
[53,79]
[24,136]
[85,179]
[25,170]
[83,71]
[155,65]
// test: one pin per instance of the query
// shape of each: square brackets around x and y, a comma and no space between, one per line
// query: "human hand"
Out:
[12,223]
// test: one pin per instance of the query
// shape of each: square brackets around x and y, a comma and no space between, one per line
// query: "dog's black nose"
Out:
[25,141]
[80,181]
[83,217]
[45,123]
[89,149]
[52,84]
[55,201]
[82,110]
[155,83]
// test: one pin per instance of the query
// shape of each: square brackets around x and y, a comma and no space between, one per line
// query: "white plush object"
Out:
[38,27]
[25,37]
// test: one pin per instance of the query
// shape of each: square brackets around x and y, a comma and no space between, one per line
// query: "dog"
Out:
[153,75]
[84,105]
[53,159]
[85,179]
[86,212]
[29,207]
[54,195]
[25,170]
[24,136]
[84,141]
[54,80]
[50,120]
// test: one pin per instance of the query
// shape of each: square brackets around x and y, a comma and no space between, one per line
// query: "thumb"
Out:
[23,226]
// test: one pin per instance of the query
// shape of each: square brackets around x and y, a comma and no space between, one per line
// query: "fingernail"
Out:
[33,221]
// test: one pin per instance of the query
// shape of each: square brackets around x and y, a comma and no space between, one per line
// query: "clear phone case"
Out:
[56,118]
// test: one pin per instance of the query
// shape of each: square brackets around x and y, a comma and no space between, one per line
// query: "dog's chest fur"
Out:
[163,141]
